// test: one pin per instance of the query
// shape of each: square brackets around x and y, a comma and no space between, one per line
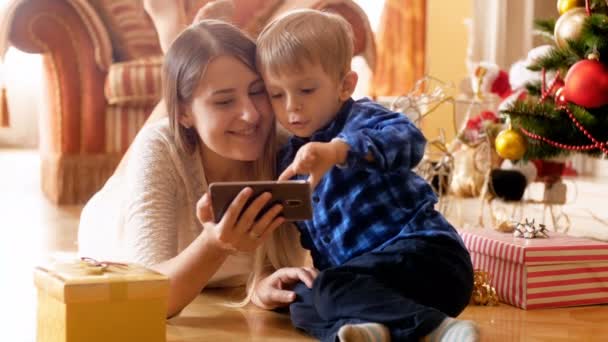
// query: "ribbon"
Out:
[528,230]
[94,267]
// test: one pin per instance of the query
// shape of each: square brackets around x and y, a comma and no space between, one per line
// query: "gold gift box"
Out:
[91,301]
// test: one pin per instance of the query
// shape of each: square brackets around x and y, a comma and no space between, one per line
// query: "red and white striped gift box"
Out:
[536,273]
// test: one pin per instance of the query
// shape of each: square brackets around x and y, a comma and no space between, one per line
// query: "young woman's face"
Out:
[230,110]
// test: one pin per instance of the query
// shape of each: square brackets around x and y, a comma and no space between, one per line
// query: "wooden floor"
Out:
[33,228]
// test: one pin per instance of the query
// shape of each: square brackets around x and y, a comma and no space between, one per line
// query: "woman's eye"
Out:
[308,90]
[224,102]
[276,96]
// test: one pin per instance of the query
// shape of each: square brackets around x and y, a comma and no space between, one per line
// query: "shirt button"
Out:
[326,239]
[315,199]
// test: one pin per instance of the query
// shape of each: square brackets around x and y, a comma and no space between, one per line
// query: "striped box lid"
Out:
[556,249]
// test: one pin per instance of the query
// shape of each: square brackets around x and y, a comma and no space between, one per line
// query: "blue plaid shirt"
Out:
[363,206]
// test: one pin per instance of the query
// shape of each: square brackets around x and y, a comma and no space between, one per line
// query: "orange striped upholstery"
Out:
[132,33]
[122,124]
[137,82]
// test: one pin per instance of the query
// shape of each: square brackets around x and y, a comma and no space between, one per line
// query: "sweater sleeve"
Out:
[390,138]
[150,222]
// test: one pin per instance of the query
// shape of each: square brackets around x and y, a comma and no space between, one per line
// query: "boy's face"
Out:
[305,100]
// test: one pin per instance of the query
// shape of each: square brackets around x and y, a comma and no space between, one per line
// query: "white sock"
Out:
[365,332]
[454,330]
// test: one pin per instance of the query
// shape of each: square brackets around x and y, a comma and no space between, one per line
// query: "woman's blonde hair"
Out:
[184,66]
[306,36]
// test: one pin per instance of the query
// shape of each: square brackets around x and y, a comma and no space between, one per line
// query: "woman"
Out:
[219,128]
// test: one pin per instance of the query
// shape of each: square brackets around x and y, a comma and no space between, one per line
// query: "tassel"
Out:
[4,118]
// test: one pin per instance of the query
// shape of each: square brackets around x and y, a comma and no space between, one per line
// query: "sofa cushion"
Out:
[134,83]
[121,126]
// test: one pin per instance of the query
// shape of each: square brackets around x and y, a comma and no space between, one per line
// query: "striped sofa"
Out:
[102,77]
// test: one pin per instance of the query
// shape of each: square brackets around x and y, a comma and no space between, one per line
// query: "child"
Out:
[391,267]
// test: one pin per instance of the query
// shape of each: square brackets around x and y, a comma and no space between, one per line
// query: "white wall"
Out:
[22,74]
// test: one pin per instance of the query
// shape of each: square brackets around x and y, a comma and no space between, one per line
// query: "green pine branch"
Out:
[545,25]
[534,88]
[546,120]
[556,59]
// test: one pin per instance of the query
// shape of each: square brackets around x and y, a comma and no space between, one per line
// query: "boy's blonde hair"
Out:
[306,36]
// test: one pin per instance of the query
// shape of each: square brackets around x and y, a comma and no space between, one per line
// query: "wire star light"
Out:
[438,163]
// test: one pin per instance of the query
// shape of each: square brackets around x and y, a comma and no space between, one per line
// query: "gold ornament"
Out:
[594,56]
[510,144]
[564,6]
[483,291]
[569,26]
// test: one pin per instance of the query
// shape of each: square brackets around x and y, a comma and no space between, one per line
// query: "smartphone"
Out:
[295,196]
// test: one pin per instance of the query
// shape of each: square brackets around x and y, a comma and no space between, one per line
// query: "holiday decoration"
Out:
[488,78]
[527,168]
[562,117]
[569,26]
[483,292]
[555,193]
[586,84]
[528,230]
[437,164]
[510,144]
[564,6]
[505,226]
[508,185]
[538,273]
[560,99]
[88,300]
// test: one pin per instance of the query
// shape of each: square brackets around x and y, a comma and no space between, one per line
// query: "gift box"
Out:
[556,271]
[91,301]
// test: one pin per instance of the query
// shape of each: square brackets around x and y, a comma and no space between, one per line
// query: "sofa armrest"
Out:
[96,30]
[76,55]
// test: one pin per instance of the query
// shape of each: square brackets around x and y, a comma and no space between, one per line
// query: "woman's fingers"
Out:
[276,223]
[267,222]
[236,207]
[203,209]
[248,217]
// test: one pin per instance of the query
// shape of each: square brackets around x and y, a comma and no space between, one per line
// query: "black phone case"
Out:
[295,196]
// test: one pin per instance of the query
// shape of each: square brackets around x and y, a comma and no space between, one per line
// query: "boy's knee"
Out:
[328,286]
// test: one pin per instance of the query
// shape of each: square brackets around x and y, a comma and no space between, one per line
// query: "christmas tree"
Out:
[568,114]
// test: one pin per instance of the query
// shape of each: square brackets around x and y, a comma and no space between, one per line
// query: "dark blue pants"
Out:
[410,286]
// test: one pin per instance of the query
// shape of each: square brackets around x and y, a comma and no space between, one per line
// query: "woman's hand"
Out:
[275,290]
[238,229]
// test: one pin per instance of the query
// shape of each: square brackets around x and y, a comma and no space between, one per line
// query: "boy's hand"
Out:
[315,159]
[275,290]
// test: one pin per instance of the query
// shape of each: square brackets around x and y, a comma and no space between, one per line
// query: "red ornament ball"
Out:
[559,97]
[586,84]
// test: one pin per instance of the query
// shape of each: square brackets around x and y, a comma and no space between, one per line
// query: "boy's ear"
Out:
[349,83]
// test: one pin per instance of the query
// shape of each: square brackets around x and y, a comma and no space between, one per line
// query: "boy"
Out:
[391,267]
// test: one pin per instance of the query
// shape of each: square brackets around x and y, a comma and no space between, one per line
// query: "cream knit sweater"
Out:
[146,213]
